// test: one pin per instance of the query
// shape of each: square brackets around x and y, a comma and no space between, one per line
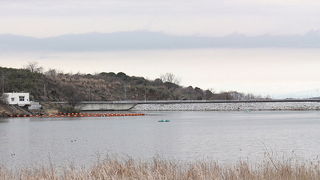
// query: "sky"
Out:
[42,18]
[69,29]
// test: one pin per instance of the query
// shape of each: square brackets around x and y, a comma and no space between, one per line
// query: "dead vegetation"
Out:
[112,168]
[54,85]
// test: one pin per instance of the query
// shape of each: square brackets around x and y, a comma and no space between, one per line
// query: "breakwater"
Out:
[200,105]
[232,106]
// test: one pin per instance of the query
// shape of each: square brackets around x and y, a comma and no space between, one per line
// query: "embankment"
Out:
[248,106]
[9,110]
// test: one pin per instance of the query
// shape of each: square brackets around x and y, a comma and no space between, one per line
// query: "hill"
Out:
[57,86]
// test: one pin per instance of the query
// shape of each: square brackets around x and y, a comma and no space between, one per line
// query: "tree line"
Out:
[54,85]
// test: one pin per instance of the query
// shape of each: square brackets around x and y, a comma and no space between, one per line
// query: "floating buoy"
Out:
[59,115]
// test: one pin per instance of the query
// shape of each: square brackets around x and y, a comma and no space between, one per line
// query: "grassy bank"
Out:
[163,169]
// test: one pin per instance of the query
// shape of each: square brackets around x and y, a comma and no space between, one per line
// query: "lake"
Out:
[223,136]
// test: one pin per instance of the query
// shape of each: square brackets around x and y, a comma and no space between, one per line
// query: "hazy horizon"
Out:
[148,40]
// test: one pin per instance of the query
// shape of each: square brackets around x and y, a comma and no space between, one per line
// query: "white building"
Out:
[21,99]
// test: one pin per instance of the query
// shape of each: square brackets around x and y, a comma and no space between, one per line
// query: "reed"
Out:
[114,168]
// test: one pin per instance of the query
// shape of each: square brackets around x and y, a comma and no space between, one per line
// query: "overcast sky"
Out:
[151,42]
[188,17]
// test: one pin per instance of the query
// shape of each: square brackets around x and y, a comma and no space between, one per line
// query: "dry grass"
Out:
[113,168]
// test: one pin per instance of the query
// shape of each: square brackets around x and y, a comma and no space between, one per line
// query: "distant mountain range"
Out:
[144,40]
[307,94]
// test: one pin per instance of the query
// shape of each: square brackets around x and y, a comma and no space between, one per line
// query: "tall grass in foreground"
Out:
[112,168]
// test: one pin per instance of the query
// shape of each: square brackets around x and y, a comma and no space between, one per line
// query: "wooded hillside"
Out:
[54,86]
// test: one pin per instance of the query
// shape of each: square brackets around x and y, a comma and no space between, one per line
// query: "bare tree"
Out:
[3,98]
[51,73]
[170,77]
[2,84]
[72,95]
[34,67]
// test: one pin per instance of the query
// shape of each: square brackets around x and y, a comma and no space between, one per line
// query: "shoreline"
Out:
[8,111]
[260,106]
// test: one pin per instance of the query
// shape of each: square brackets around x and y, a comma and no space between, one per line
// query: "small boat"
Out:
[164,121]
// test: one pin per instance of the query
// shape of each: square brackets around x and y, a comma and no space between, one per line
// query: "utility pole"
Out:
[145,93]
[125,92]
[44,90]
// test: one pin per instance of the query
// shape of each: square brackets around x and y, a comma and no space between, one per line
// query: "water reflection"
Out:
[4,120]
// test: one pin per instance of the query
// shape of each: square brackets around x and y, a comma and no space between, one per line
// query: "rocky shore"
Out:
[256,106]
[9,110]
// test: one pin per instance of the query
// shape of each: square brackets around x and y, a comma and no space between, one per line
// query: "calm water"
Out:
[222,136]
